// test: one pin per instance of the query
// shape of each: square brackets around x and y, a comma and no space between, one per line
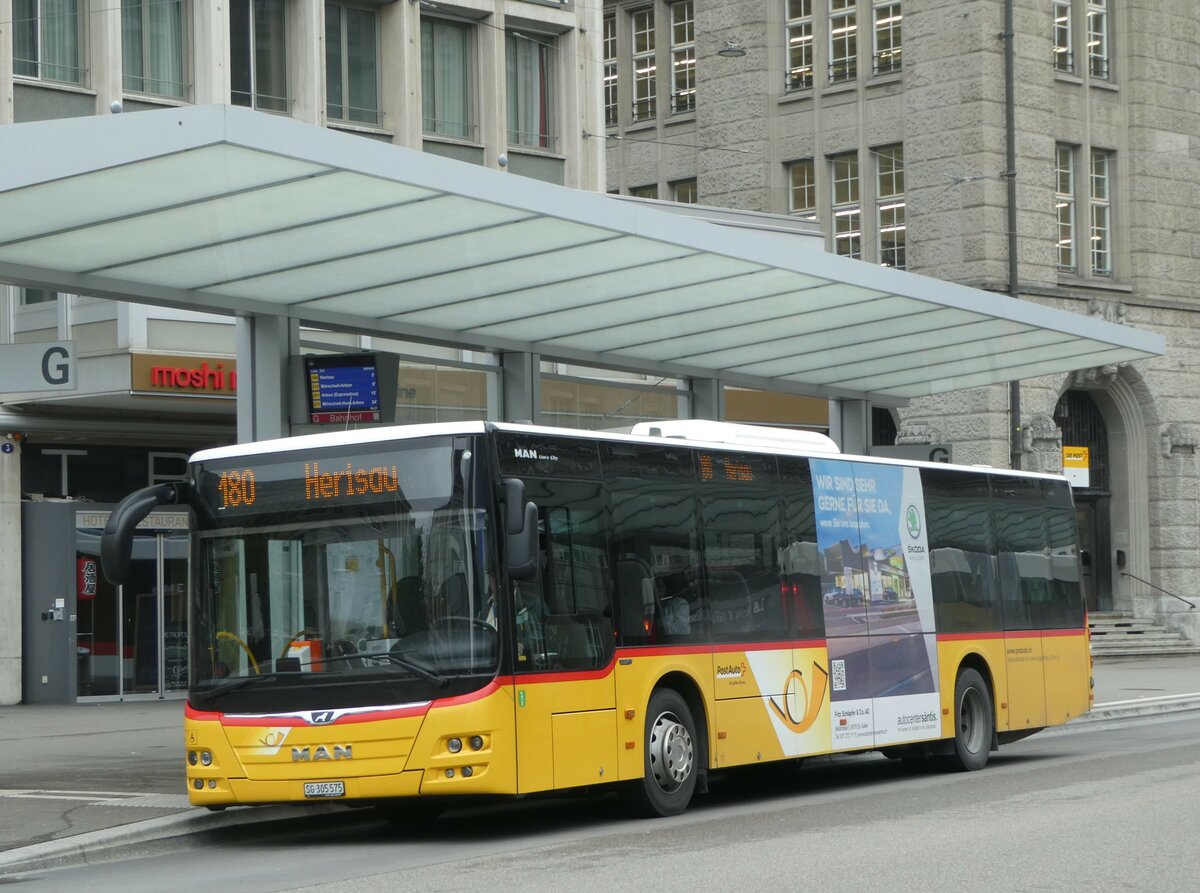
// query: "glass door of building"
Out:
[131,640]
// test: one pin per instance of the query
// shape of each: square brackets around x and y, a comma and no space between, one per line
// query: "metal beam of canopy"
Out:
[227,209]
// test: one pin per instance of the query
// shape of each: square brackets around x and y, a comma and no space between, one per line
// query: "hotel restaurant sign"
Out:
[183,376]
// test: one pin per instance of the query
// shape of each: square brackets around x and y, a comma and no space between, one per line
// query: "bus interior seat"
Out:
[406,607]
[636,585]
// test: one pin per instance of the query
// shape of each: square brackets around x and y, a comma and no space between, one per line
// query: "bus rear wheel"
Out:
[974,721]
[671,751]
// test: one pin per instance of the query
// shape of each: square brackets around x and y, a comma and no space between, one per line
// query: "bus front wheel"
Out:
[974,721]
[671,750]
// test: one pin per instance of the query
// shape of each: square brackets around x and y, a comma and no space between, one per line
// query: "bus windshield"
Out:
[344,578]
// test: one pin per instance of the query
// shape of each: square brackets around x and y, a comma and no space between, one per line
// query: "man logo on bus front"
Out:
[322,717]
[913,519]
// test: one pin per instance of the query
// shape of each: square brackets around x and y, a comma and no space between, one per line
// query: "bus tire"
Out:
[671,753]
[974,721]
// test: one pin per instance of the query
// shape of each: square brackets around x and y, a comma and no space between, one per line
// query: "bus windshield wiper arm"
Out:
[237,684]
[396,660]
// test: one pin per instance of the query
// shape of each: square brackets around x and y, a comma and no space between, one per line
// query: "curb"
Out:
[1141,707]
[90,847]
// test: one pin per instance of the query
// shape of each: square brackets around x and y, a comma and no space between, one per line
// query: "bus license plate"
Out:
[324,789]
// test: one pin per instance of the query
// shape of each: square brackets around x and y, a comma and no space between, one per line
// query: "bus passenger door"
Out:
[565,714]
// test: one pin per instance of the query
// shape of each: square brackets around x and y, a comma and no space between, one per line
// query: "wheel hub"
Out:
[671,752]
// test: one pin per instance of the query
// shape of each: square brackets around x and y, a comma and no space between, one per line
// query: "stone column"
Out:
[520,387]
[263,388]
[10,569]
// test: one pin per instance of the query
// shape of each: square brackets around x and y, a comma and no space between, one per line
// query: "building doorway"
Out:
[131,640]
[1082,425]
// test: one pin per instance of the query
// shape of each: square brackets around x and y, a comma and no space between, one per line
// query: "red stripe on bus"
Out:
[1011,634]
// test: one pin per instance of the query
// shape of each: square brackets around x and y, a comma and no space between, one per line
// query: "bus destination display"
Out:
[342,389]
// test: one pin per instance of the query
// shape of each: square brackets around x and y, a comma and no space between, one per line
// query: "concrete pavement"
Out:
[76,780]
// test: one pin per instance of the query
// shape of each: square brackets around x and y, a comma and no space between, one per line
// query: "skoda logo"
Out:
[913,519]
[322,717]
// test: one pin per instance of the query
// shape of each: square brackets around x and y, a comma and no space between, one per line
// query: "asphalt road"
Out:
[1100,807]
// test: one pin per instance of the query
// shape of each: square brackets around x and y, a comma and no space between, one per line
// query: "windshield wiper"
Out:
[236,684]
[396,660]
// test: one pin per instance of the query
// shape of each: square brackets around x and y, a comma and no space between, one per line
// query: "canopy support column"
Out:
[850,425]
[263,346]
[707,399]
[520,387]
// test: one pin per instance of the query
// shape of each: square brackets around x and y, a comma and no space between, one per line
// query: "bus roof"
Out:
[692,432]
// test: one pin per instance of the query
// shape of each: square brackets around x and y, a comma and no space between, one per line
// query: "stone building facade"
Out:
[1044,148]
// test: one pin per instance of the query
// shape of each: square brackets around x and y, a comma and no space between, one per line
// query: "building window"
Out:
[153,39]
[1064,59]
[447,105]
[888,44]
[47,40]
[610,71]
[684,192]
[351,64]
[799,44]
[683,57]
[1101,210]
[258,54]
[847,212]
[1064,203]
[843,40]
[650,191]
[1097,39]
[645,82]
[530,62]
[31,296]
[890,206]
[802,189]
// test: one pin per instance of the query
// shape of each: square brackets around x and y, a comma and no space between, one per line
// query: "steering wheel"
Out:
[225,634]
[451,619]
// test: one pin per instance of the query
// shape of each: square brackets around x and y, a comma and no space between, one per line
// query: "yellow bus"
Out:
[403,616]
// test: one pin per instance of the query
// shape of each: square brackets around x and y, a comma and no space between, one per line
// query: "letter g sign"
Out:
[56,366]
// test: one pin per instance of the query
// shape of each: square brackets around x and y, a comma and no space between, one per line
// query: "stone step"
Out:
[1119,634]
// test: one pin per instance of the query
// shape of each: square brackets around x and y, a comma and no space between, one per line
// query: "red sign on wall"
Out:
[86,570]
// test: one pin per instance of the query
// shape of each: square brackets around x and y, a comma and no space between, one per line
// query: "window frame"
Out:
[890,25]
[254,96]
[845,174]
[798,43]
[1065,208]
[1100,60]
[683,57]
[1100,206]
[470,127]
[344,66]
[185,56]
[610,77]
[549,92]
[843,62]
[1063,37]
[644,105]
[38,39]
[805,170]
[890,203]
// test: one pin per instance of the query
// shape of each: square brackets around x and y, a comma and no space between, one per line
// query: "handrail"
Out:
[1159,588]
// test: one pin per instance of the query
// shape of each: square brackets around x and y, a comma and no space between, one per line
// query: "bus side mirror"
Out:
[520,532]
[116,543]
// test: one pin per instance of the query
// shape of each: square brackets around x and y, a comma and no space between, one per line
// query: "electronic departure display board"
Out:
[342,389]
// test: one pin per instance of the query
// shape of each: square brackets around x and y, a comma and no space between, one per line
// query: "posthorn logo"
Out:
[913,519]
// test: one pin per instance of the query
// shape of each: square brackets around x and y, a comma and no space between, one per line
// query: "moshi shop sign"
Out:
[183,376]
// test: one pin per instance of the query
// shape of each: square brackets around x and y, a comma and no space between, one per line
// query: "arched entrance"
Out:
[1082,425]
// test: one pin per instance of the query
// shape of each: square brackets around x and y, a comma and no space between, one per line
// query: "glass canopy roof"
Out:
[224,209]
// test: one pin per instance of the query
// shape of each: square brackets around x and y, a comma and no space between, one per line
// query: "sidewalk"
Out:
[81,778]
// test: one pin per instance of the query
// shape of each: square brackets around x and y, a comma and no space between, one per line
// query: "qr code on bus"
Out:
[839,675]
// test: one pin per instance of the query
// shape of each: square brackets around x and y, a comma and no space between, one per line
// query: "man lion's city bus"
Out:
[403,616]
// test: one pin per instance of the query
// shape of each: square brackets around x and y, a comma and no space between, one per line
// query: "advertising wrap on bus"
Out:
[882,646]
